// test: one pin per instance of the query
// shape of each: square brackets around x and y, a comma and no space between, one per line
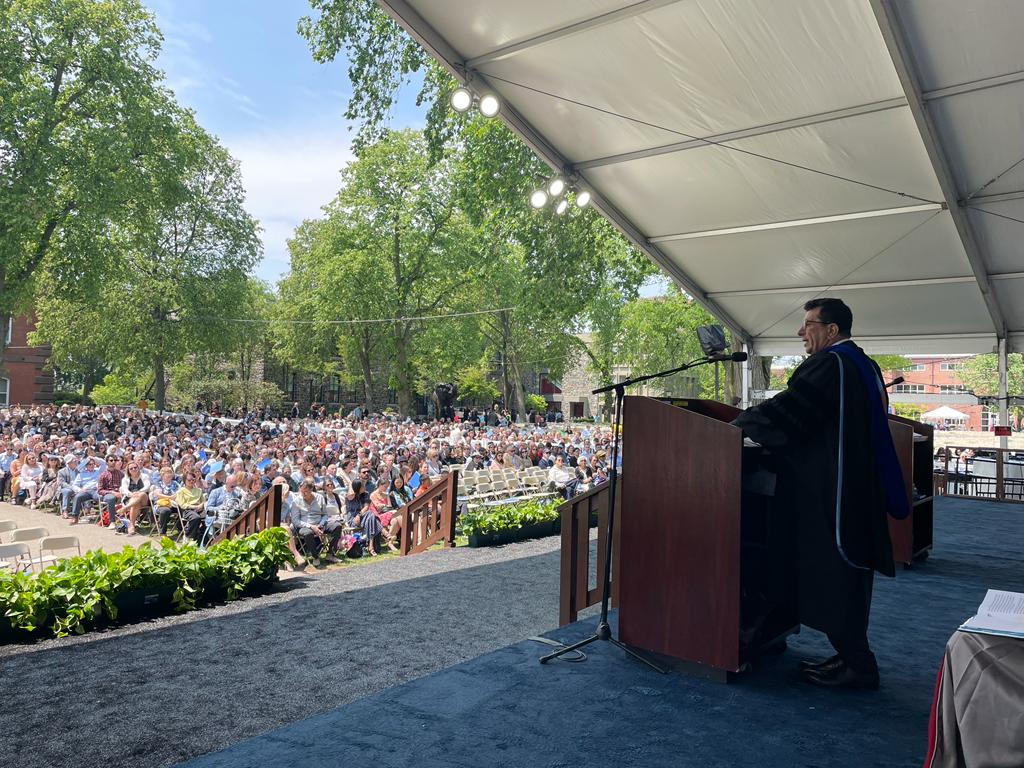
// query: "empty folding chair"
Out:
[499,489]
[6,526]
[26,535]
[15,556]
[53,544]
[481,493]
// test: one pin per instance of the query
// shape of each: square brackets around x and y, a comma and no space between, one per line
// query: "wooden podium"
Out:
[680,553]
[912,536]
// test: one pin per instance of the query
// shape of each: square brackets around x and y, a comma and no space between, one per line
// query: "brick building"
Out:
[26,381]
[934,381]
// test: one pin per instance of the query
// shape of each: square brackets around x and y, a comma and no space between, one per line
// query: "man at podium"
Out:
[838,477]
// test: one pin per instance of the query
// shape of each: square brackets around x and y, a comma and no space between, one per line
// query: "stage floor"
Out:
[505,709]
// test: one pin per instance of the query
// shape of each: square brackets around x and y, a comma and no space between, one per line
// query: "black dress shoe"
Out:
[821,666]
[843,677]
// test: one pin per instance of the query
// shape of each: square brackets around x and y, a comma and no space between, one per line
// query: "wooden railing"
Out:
[990,474]
[264,513]
[575,592]
[430,518]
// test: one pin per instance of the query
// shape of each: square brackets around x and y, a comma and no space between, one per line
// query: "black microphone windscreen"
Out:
[739,357]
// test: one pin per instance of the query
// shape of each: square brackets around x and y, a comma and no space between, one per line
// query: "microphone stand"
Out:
[604,630]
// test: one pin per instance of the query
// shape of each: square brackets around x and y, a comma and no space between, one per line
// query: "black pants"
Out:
[851,643]
[312,544]
[5,484]
[163,514]
[195,523]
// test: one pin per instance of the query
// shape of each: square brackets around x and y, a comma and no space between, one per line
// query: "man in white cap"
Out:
[85,485]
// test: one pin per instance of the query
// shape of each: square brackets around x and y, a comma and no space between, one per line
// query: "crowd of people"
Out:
[340,475]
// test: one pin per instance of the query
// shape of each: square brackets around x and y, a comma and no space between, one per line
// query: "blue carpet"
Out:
[505,709]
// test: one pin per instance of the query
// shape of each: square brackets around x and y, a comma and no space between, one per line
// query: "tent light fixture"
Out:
[539,198]
[461,99]
[464,98]
[489,105]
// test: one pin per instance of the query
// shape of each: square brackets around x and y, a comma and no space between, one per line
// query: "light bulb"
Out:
[556,186]
[462,99]
[489,105]
[538,198]
[562,205]
[582,198]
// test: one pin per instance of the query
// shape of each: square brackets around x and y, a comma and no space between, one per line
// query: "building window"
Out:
[5,392]
[917,367]
[989,419]
[10,331]
[950,366]
[952,389]
[909,389]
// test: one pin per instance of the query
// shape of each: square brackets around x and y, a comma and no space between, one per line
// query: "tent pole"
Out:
[1004,401]
[745,390]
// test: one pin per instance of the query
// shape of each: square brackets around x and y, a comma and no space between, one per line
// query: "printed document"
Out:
[1000,613]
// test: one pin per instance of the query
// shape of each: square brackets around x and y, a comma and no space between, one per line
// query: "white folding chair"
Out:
[55,544]
[7,525]
[481,493]
[25,535]
[16,556]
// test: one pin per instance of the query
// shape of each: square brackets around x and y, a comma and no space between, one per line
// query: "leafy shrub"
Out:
[536,403]
[70,398]
[68,595]
[508,517]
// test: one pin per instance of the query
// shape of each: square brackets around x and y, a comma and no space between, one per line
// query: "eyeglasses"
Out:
[803,327]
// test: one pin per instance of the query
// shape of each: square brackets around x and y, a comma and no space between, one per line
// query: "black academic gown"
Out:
[837,550]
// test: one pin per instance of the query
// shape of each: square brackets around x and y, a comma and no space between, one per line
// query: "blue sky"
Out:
[252,82]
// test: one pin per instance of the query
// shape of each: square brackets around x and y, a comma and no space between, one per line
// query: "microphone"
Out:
[727,357]
[894,382]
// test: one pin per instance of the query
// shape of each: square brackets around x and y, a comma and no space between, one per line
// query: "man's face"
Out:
[815,333]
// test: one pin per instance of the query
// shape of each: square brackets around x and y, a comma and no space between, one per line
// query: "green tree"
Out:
[980,375]
[476,386]
[402,215]
[561,261]
[327,300]
[179,266]
[83,121]
[892,363]
[661,333]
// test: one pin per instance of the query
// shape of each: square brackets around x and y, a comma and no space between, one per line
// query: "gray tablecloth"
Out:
[978,713]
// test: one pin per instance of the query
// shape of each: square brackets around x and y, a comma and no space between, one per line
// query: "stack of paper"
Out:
[1000,613]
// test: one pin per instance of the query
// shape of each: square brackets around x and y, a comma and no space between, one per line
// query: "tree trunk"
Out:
[4,319]
[518,390]
[512,369]
[401,329]
[404,388]
[161,385]
[88,383]
[364,362]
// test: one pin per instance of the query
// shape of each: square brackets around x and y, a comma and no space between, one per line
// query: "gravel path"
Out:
[159,692]
[90,536]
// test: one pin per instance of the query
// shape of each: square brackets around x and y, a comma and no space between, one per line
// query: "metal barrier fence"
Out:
[980,473]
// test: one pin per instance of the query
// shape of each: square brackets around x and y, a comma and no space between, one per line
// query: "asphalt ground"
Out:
[159,692]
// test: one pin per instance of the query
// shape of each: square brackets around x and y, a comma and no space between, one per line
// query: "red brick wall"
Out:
[24,364]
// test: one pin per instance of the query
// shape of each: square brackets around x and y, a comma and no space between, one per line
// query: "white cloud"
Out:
[287,178]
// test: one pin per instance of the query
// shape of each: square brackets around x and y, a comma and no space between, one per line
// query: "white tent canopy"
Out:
[764,152]
[944,413]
